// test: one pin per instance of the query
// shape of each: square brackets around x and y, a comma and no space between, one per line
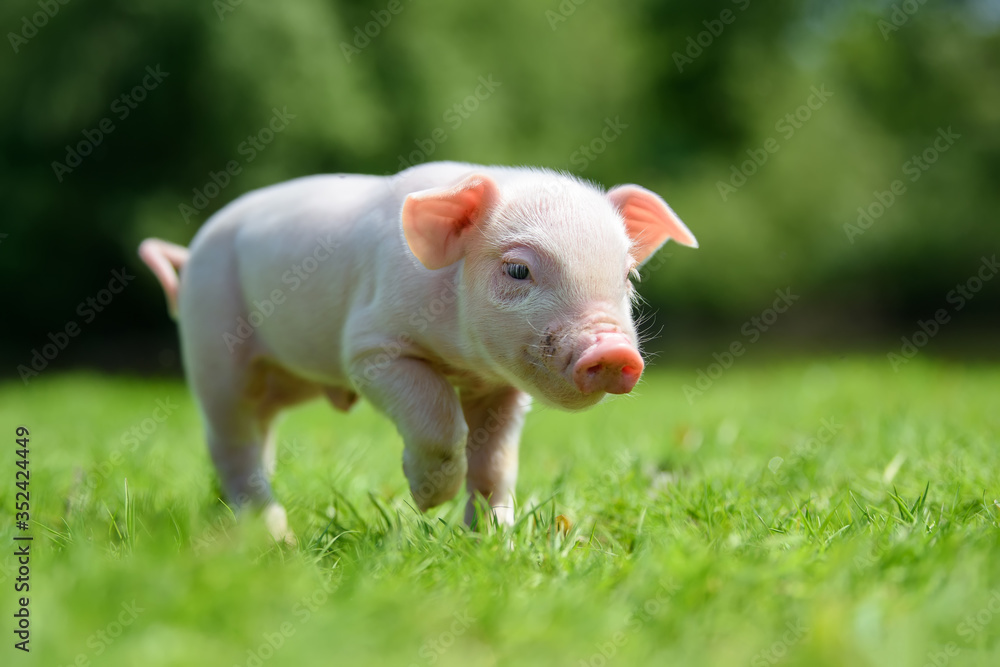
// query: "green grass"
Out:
[712,534]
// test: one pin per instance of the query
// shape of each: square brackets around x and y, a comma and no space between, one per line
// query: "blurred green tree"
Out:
[772,128]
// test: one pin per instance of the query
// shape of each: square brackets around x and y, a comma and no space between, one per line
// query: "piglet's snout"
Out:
[611,364]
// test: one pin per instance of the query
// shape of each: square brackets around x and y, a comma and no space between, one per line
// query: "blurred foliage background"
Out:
[693,90]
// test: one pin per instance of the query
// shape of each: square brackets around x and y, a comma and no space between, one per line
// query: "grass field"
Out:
[830,512]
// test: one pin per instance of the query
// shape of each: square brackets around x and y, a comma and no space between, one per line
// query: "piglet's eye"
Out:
[517,271]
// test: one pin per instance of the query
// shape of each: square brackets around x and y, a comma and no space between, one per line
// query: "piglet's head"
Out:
[548,263]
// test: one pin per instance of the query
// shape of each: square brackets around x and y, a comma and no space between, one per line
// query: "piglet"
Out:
[448,295]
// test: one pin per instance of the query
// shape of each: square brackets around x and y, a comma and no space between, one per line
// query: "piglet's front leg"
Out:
[494,420]
[428,415]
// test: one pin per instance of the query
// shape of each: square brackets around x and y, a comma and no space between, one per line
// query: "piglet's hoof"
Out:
[434,479]
[276,521]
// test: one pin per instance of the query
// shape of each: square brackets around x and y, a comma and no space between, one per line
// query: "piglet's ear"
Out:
[648,221]
[437,222]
